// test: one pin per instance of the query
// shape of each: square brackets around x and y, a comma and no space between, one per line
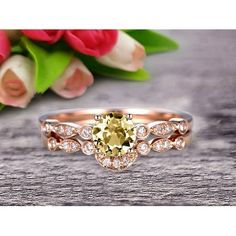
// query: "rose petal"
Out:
[16,81]
[91,42]
[127,54]
[5,46]
[74,81]
[49,36]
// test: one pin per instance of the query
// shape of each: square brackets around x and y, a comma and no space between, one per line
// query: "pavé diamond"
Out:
[125,160]
[163,129]
[162,145]
[52,144]
[114,134]
[65,131]
[69,145]
[116,163]
[46,128]
[106,162]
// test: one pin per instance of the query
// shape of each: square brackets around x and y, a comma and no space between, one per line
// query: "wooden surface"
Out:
[200,78]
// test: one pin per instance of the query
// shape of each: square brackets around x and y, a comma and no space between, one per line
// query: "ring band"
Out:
[116,136]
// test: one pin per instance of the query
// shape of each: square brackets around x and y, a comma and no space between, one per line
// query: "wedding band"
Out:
[116,136]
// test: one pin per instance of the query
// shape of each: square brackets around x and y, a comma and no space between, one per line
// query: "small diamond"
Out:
[132,156]
[116,163]
[60,129]
[86,132]
[52,144]
[179,143]
[65,131]
[70,146]
[183,127]
[99,156]
[45,128]
[128,159]
[142,131]
[162,145]
[88,148]
[125,160]
[163,129]
[143,148]
[69,131]
[106,162]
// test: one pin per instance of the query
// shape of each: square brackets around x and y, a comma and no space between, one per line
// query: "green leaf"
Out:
[95,67]
[152,41]
[17,49]
[49,65]
[1,106]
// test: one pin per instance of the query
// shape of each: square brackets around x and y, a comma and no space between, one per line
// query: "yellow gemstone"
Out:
[114,134]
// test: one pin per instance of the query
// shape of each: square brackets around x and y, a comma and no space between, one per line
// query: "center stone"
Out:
[114,134]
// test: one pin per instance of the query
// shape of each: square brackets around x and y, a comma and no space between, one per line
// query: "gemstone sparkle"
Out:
[114,134]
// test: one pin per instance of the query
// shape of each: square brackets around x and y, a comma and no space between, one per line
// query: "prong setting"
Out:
[97,117]
[129,116]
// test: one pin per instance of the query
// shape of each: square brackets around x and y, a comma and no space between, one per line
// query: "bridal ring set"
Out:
[116,137]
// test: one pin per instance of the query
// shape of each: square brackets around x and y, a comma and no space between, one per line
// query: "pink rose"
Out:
[91,42]
[127,54]
[74,81]
[16,81]
[48,36]
[5,46]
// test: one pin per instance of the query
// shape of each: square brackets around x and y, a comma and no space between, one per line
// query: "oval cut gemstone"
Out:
[114,134]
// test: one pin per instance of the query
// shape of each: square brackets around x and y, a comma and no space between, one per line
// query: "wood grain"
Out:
[200,78]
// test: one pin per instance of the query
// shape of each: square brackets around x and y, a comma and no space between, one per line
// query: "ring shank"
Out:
[139,115]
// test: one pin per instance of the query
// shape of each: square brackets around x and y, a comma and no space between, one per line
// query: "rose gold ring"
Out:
[116,136]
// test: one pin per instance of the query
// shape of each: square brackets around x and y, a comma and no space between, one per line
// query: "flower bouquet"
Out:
[65,61]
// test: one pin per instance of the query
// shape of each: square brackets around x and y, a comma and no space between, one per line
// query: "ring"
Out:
[116,136]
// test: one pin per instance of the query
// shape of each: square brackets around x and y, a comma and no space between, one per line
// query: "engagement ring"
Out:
[116,136]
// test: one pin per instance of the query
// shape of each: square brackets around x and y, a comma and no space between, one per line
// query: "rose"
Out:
[91,42]
[13,35]
[16,81]
[48,36]
[127,54]
[5,46]
[74,81]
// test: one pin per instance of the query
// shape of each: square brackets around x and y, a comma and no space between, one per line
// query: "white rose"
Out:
[74,81]
[16,81]
[127,54]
